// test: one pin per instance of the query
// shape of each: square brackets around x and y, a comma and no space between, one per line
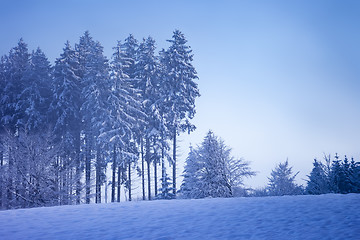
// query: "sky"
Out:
[278,79]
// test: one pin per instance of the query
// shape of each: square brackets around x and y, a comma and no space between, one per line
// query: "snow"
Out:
[328,216]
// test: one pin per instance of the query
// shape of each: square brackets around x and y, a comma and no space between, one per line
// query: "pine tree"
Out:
[3,82]
[96,91]
[130,49]
[65,113]
[318,181]
[211,171]
[152,94]
[355,176]
[347,171]
[282,181]
[15,65]
[2,132]
[124,115]
[341,175]
[35,96]
[165,191]
[191,186]
[181,90]
[336,175]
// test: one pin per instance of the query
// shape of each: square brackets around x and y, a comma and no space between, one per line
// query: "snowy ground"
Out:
[289,217]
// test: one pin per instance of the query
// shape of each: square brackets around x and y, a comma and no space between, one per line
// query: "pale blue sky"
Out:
[278,79]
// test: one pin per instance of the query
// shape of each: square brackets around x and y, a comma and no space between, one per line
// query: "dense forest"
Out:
[63,125]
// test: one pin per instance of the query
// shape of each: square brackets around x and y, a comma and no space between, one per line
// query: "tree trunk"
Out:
[155,177]
[142,168]
[10,180]
[98,175]
[106,184]
[119,184]
[155,169]
[174,163]
[70,189]
[148,166]
[129,181]
[113,182]
[163,173]
[78,169]
[87,167]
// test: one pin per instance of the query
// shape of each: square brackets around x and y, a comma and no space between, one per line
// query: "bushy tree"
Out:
[211,171]
[282,181]
[32,170]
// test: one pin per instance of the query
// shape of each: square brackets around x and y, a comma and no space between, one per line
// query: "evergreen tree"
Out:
[166,189]
[15,65]
[181,90]
[152,95]
[124,115]
[3,79]
[336,176]
[191,186]
[35,96]
[211,171]
[341,175]
[65,112]
[2,169]
[96,91]
[318,181]
[130,50]
[282,181]
[355,176]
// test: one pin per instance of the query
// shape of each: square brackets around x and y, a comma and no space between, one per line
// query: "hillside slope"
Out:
[290,217]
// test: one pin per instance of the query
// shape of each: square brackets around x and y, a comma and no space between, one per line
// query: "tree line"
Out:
[336,175]
[211,171]
[62,125]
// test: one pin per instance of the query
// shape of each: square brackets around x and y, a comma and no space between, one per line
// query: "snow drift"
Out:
[289,217]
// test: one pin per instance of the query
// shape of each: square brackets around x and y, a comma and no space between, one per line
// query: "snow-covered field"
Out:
[290,217]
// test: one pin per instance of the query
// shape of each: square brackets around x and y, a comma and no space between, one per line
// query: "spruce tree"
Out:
[96,90]
[14,68]
[65,114]
[152,94]
[130,50]
[355,176]
[282,181]
[35,97]
[165,191]
[181,90]
[16,65]
[211,171]
[191,186]
[124,108]
[318,181]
